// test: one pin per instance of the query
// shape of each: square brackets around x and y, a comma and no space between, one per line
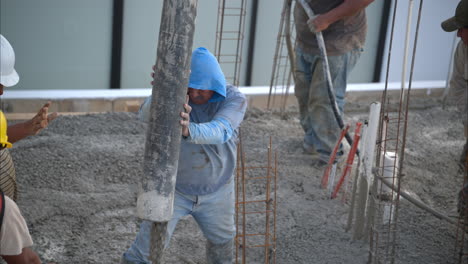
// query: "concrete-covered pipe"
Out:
[156,198]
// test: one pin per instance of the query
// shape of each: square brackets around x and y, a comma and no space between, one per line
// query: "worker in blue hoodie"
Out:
[205,182]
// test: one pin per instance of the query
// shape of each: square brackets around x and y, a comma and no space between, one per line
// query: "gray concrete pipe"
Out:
[156,197]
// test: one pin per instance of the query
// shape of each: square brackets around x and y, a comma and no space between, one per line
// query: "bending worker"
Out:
[205,184]
[343,24]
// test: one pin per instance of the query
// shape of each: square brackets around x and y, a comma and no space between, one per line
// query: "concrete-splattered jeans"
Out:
[214,214]
[316,115]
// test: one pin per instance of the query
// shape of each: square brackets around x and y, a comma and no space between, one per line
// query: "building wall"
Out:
[434,46]
[66,44]
[59,44]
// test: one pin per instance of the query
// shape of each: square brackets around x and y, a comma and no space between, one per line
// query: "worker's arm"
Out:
[225,122]
[217,131]
[27,256]
[31,127]
[347,8]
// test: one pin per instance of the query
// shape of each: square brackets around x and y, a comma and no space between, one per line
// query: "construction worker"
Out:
[15,240]
[205,184]
[9,77]
[459,88]
[14,235]
[459,79]
[343,24]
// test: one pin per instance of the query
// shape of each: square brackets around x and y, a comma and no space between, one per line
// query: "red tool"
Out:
[349,161]
[326,174]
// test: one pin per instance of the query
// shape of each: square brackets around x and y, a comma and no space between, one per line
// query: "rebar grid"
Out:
[282,70]
[384,202]
[252,230]
[229,42]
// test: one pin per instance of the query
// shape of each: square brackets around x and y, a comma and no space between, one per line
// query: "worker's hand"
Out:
[185,122]
[41,119]
[318,23]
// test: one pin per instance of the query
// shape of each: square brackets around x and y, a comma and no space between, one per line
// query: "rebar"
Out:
[234,36]
[282,75]
[384,204]
[247,236]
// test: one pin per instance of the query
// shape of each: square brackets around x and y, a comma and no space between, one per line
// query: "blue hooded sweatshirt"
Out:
[208,156]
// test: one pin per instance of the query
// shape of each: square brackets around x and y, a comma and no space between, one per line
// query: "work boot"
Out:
[220,253]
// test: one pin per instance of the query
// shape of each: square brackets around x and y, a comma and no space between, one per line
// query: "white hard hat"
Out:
[8,75]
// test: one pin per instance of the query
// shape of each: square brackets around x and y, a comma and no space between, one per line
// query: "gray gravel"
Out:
[78,183]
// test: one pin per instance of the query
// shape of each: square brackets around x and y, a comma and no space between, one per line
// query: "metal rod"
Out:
[402,152]
[267,204]
[275,58]
[407,39]
[275,204]
[416,202]
[238,179]
[243,199]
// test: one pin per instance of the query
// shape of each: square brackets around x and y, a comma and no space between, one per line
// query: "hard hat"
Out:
[3,132]
[8,75]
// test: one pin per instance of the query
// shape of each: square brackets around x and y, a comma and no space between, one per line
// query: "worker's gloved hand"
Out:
[185,122]
[41,119]
[317,23]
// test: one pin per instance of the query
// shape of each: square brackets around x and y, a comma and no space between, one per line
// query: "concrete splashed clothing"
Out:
[208,157]
[204,184]
[344,41]
[340,37]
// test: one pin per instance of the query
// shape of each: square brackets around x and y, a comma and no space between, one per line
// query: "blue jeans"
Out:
[316,114]
[214,214]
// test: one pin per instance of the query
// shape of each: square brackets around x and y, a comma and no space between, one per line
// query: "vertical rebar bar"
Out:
[219,28]
[401,157]
[275,204]
[238,179]
[383,233]
[244,234]
[267,215]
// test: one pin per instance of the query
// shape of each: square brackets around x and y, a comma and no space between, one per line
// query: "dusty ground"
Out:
[78,182]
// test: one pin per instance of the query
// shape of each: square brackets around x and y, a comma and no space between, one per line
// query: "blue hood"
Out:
[206,74]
